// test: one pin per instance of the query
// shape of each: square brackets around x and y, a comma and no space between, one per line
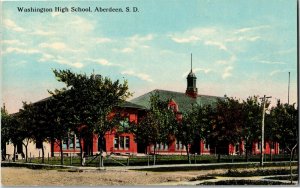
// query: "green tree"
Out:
[4,131]
[11,131]
[192,125]
[283,128]
[158,124]
[225,125]
[284,125]
[89,101]
[251,127]
[34,118]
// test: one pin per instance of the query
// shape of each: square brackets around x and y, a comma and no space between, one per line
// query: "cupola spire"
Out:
[191,89]
[191,62]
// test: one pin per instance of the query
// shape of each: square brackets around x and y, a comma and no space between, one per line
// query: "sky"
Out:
[240,48]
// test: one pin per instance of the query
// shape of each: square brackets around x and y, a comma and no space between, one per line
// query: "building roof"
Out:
[127,104]
[183,101]
[124,104]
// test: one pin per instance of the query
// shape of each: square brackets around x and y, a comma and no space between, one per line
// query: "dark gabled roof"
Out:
[127,104]
[124,104]
[183,101]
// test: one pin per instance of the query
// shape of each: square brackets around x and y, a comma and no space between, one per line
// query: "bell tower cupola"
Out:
[191,89]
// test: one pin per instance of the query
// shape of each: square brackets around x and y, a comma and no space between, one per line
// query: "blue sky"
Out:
[240,48]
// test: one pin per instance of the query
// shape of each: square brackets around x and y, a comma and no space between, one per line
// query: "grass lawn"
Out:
[160,160]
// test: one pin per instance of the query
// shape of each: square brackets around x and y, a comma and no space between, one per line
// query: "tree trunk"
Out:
[81,152]
[43,153]
[26,150]
[247,153]
[101,150]
[61,152]
[14,154]
[154,157]
[52,147]
[188,153]
[271,151]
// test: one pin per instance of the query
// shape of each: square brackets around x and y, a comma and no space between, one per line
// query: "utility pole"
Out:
[289,90]
[262,144]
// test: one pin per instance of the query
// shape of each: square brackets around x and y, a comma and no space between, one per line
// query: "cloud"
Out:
[227,72]
[193,35]
[141,76]
[102,40]
[43,33]
[272,62]
[58,46]
[12,42]
[220,45]
[243,38]
[12,25]
[20,51]
[46,57]
[82,24]
[185,40]
[124,50]
[127,50]
[61,60]
[139,38]
[55,45]
[274,72]
[231,60]
[249,29]
[101,61]
[278,71]
[206,71]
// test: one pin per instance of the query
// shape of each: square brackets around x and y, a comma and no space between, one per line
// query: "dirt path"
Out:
[13,176]
[28,177]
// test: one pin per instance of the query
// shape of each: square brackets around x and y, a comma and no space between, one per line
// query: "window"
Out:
[162,146]
[237,148]
[39,144]
[71,142]
[272,145]
[206,145]
[65,143]
[77,142]
[127,144]
[122,142]
[116,143]
[179,145]
[166,146]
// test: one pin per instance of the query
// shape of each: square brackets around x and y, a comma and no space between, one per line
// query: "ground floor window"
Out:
[39,144]
[179,145]
[122,142]
[237,149]
[162,146]
[206,145]
[70,142]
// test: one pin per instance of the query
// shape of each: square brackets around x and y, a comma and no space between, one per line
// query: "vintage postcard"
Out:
[131,92]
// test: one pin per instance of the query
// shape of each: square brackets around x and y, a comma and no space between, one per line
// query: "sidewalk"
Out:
[169,166]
